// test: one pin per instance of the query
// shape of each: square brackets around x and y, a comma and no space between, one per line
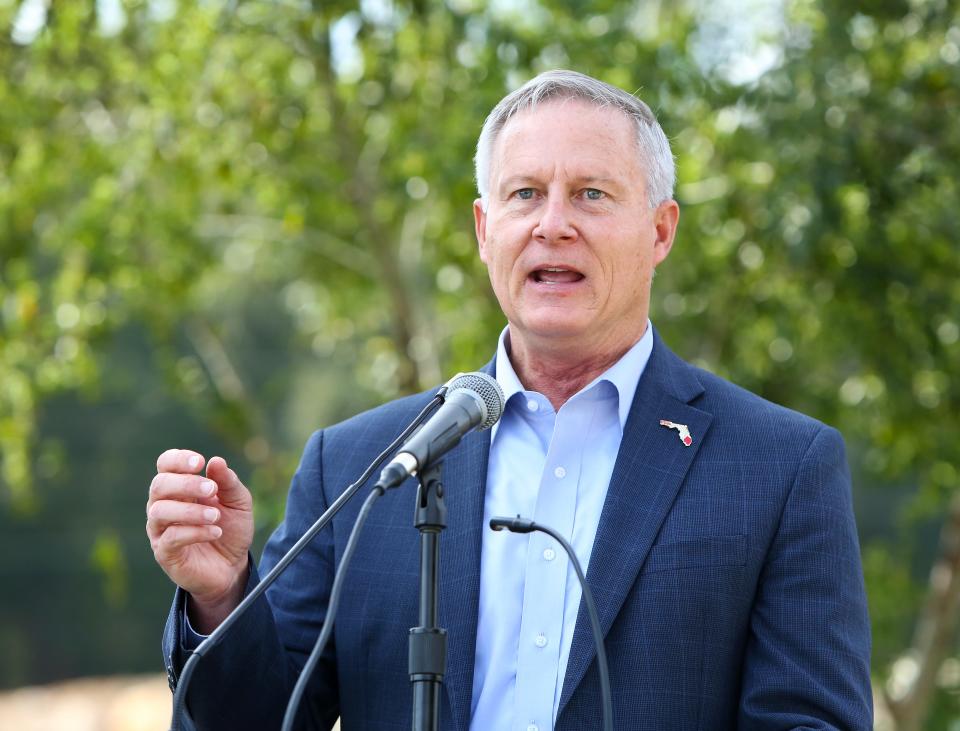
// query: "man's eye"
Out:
[524,194]
[592,194]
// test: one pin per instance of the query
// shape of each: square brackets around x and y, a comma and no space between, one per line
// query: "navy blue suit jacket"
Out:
[727,577]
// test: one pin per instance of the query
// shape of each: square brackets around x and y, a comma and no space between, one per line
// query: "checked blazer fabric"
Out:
[726,573]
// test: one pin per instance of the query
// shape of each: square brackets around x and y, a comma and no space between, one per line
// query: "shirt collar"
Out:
[622,375]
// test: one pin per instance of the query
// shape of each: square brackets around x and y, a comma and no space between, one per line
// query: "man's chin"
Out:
[551,332]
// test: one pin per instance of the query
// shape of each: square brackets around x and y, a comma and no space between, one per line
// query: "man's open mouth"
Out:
[555,275]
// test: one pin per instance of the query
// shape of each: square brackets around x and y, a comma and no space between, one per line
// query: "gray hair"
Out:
[652,143]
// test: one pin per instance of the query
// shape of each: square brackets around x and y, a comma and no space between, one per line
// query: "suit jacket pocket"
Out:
[699,552]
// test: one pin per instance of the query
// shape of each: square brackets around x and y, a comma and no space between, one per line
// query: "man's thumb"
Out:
[229,486]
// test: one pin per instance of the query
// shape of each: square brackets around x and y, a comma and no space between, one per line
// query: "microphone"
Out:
[473,400]
[514,525]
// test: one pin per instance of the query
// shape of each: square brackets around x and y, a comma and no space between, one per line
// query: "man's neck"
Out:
[560,373]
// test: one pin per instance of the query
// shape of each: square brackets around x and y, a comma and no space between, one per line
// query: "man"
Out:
[716,527]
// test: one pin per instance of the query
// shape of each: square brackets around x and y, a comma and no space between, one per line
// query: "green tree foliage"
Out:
[278,195]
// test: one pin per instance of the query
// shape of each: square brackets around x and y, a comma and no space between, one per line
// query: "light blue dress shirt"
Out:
[553,467]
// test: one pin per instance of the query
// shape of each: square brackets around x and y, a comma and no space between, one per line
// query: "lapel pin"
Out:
[682,431]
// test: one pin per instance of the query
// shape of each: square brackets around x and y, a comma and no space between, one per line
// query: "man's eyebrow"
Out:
[599,180]
[517,180]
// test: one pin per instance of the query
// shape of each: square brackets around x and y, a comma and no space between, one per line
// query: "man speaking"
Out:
[716,527]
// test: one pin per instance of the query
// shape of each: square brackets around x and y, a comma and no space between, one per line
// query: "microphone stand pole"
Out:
[428,642]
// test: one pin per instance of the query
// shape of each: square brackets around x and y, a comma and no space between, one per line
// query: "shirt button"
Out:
[541,640]
[560,473]
[533,405]
[549,554]
[533,727]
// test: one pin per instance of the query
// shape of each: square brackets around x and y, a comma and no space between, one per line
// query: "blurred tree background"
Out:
[225,224]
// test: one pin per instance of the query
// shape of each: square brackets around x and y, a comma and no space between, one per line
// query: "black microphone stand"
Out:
[428,642]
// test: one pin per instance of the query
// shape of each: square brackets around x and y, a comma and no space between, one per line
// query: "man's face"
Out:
[568,238]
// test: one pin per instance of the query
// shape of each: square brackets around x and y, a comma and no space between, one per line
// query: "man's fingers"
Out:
[174,486]
[230,488]
[164,514]
[177,537]
[180,460]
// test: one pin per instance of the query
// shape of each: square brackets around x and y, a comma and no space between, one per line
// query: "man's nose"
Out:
[556,224]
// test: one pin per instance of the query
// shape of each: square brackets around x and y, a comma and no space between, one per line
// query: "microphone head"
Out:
[486,388]
[514,525]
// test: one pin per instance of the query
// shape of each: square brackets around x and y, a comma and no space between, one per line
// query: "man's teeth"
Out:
[556,275]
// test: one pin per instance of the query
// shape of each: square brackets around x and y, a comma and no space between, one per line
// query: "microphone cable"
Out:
[180,695]
[332,605]
[523,525]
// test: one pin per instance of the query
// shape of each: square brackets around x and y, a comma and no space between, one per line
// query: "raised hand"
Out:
[200,529]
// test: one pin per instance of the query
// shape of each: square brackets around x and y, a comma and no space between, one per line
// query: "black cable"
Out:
[180,695]
[522,525]
[332,605]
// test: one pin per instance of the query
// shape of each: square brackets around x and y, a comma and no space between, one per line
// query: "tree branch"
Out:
[934,634]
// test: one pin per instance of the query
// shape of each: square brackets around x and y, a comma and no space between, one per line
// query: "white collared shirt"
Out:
[552,467]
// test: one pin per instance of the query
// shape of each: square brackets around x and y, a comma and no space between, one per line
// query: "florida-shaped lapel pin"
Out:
[682,430]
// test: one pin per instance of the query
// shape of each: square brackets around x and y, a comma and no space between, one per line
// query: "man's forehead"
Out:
[568,136]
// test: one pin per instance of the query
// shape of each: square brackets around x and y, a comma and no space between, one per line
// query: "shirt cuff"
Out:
[190,638]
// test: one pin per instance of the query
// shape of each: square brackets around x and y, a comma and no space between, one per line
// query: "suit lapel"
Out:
[647,476]
[465,480]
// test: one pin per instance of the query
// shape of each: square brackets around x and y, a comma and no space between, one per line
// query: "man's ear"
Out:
[665,219]
[480,227]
